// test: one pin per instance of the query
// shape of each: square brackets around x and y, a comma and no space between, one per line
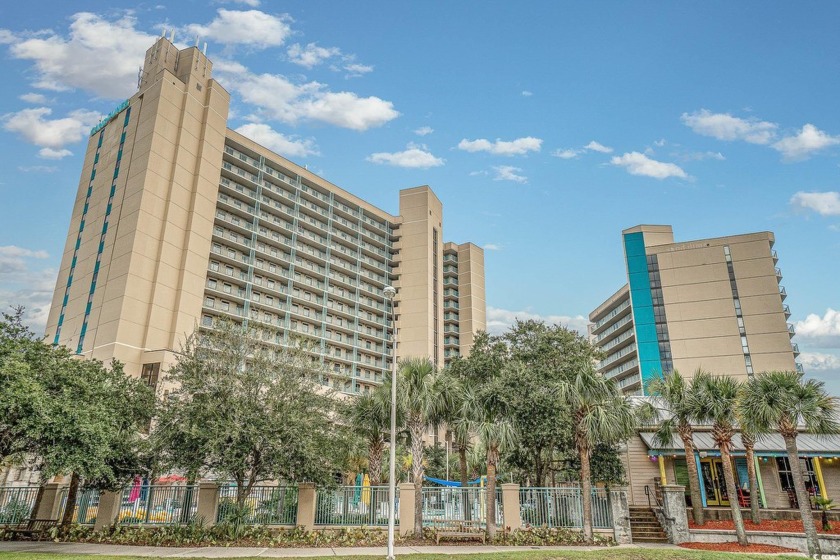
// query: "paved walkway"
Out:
[239,552]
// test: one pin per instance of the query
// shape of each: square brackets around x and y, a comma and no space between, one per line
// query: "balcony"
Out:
[786,309]
[791,330]
[782,292]
[795,347]
[778,273]
[775,257]
[799,368]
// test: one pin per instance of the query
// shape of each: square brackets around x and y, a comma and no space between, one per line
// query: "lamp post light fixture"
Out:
[390,292]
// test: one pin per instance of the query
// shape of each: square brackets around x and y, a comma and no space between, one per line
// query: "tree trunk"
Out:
[693,480]
[465,492]
[732,492]
[70,507]
[417,428]
[375,450]
[490,496]
[754,497]
[802,497]
[586,491]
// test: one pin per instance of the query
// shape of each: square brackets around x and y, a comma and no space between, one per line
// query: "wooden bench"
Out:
[458,529]
[33,528]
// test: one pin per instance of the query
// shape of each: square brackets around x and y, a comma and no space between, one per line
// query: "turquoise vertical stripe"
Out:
[650,363]
[700,479]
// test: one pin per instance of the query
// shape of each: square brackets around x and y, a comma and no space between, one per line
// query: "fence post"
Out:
[620,509]
[674,513]
[406,508]
[510,506]
[307,500]
[207,503]
[108,510]
[50,502]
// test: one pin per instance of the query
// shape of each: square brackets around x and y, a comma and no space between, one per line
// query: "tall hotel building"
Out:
[714,304]
[179,220]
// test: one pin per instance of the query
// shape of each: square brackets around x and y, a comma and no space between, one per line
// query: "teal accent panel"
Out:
[650,363]
[741,472]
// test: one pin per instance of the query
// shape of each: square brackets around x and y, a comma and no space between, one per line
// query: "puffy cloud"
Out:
[13,258]
[509,173]
[414,156]
[252,28]
[311,55]
[424,131]
[824,203]
[50,134]
[354,69]
[598,147]
[284,145]
[639,164]
[516,147]
[566,154]
[573,153]
[724,126]
[500,320]
[98,56]
[35,98]
[287,102]
[819,361]
[801,146]
[20,285]
[820,332]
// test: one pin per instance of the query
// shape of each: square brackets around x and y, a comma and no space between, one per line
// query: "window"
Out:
[209,302]
[150,374]
[207,321]
[211,283]
[786,477]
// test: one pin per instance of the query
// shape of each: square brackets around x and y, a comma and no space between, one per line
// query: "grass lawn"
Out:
[605,554]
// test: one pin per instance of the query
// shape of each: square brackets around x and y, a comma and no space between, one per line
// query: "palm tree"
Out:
[780,401]
[496,435]
[460,413]
[418,395]
[714,400]
[600,413]
[670,412]
[369,417]
[748,439]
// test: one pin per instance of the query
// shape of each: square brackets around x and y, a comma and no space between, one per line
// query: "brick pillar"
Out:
[510,506]
[620,509]
[207,504]
[50,502]
[674,513]
[406,508]
[306,505]
[108,510]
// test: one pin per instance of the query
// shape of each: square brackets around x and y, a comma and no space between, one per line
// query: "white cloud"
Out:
[724,126]
[700,156]
[252,28]
[424,131]
[509,173]
[284,145]
[659,143]
[809,140]
[50,153]
[820,332]
[598,147]
[354,70]
[287,102]
[519,146]
[12,258]
[500,320]
[639,164]
[414,156]
[35,98]
[98,56]
[818,361]
[311,55]
[526,93]
[21,285]
[50,134]
[566,154]
[824,203]
[492,247]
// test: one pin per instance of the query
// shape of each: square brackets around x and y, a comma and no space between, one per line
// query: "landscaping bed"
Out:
[771,525]
[735,547]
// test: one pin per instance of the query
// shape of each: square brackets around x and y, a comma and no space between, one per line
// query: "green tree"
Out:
[418,396]
[369,416]
[671,412]
[748,439]
[782,401]
[496,434]
[252,413]
[714,401]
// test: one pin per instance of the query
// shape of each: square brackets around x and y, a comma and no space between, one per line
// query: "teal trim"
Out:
[700,479]
[650,363]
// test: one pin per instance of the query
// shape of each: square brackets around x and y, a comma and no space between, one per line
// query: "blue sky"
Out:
[544,127]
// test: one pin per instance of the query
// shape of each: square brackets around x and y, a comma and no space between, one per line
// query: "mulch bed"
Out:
[735,547]
[773,525]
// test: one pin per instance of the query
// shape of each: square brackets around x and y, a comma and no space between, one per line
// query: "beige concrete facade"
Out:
[714,304]
[464,307]
[179,220]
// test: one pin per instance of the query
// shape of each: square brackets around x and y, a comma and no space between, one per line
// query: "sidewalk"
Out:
[239,552]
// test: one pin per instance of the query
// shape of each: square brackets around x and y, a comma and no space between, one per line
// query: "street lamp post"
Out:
[390,292]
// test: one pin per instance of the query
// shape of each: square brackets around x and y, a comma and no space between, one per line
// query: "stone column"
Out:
[620,509]
[675,518]
[108,510]
[207,503]
[50,502]
[510,506]
[306,505]
[406,508]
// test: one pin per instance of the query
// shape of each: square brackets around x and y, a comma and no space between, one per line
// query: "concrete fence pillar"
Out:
[108,510]
[207,503]
[674,517]
[307,499]
[50,502]
[406,508]
[510,506]
[620,509]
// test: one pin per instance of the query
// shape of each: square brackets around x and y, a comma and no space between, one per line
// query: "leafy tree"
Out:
[782,401]
[670,411]
[248,412]
[714,401]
